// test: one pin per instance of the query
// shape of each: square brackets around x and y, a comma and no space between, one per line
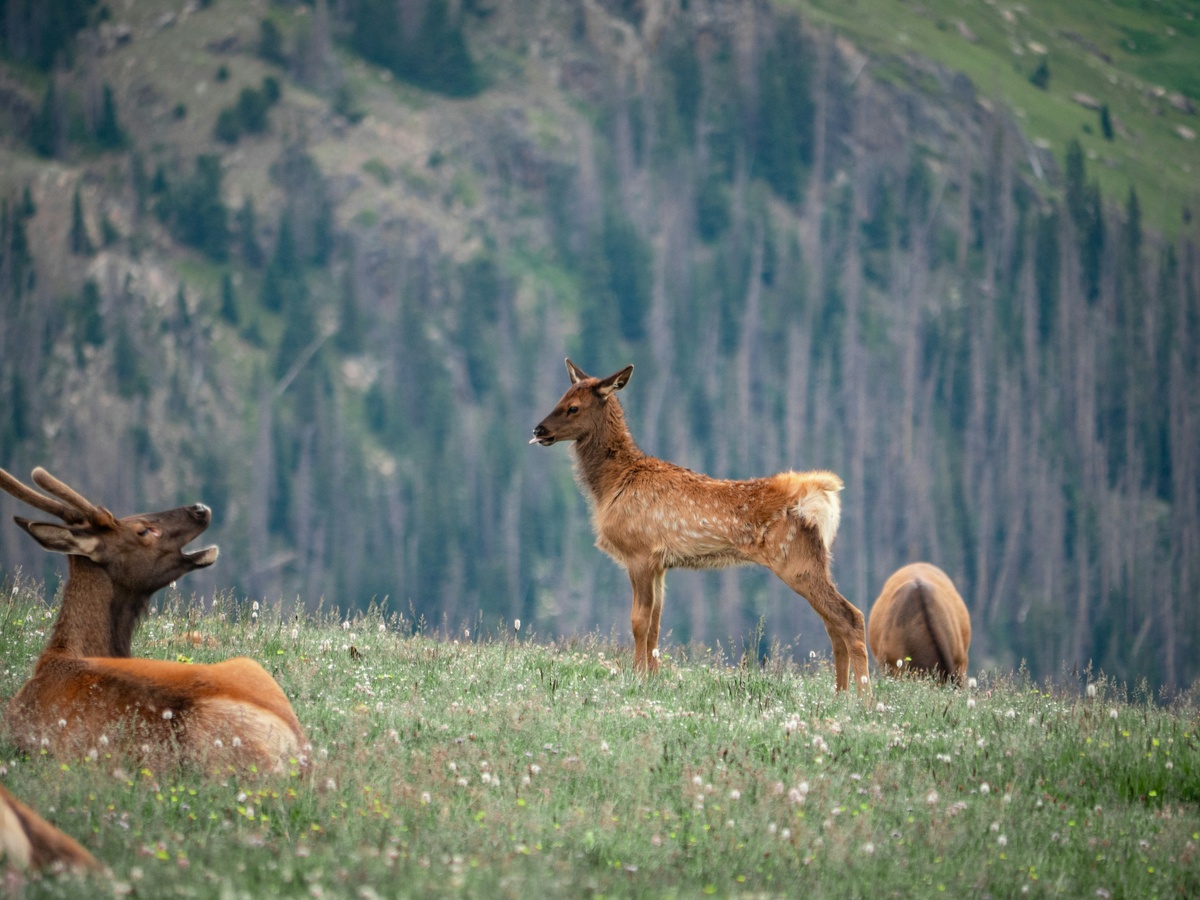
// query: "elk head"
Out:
[580,411]
[115,564]
[141,553]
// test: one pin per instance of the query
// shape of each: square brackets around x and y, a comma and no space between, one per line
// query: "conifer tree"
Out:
[109,134]
[80,242]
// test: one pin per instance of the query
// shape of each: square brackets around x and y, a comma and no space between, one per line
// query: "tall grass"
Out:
[514,767]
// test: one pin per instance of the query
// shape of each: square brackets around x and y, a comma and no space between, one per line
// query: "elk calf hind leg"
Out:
[844,623]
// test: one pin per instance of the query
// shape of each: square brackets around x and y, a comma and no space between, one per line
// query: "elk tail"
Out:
[935,626]
[814,500]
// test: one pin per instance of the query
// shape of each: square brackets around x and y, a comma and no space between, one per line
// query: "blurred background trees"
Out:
[810,265]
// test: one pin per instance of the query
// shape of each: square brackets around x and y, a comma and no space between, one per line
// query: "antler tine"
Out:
[28,495]
[88,510]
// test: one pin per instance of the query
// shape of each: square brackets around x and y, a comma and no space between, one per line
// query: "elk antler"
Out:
[45,504]
[96,515]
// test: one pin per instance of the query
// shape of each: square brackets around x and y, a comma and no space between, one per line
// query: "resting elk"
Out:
[650,515]
[85,690]
[920,624]
[27,841]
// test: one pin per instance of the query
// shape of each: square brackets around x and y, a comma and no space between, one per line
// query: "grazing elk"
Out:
[920,624]
[651,515]
[27,841]
[85,690]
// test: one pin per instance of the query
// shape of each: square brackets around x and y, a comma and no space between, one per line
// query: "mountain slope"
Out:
[329,297]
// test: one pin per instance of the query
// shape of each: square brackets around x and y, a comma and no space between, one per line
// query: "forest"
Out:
[331,293]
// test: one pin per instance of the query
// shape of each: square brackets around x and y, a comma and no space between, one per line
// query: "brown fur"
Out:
[27,841]
[651,515]
[86,692]
[920,624]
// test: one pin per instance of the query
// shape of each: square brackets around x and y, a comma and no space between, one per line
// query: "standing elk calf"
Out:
[920,624]
[85,690]
[27,841]
[651,515]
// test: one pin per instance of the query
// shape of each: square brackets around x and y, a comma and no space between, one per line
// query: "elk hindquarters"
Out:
[27,841]
[920,624]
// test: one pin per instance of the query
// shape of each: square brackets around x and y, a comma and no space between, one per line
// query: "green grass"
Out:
[512,767]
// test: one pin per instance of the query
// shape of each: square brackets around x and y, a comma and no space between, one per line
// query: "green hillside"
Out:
[1137,58]
[318,265]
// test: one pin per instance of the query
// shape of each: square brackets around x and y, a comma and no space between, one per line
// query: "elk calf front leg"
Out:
[655,619]
[645,618]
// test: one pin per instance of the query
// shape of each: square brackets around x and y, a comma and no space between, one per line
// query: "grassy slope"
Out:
[511,767]
[1119,52]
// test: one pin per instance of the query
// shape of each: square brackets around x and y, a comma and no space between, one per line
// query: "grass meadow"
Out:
[507,765]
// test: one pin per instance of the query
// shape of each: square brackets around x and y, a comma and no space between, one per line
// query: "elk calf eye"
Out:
[571,410]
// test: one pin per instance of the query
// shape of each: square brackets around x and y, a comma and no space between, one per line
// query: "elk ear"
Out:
[614,382]
[60,539]
[577,374]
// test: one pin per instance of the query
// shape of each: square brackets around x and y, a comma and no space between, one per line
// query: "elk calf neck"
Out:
[86,692]
[920,624]
[651,515]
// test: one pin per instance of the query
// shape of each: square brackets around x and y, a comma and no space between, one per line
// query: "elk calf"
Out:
[85,691]
[27,841]
[920,624]
[651,515]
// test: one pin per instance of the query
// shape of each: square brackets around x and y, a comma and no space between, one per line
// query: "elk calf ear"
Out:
[614,382]
[577,374]
[60,539]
